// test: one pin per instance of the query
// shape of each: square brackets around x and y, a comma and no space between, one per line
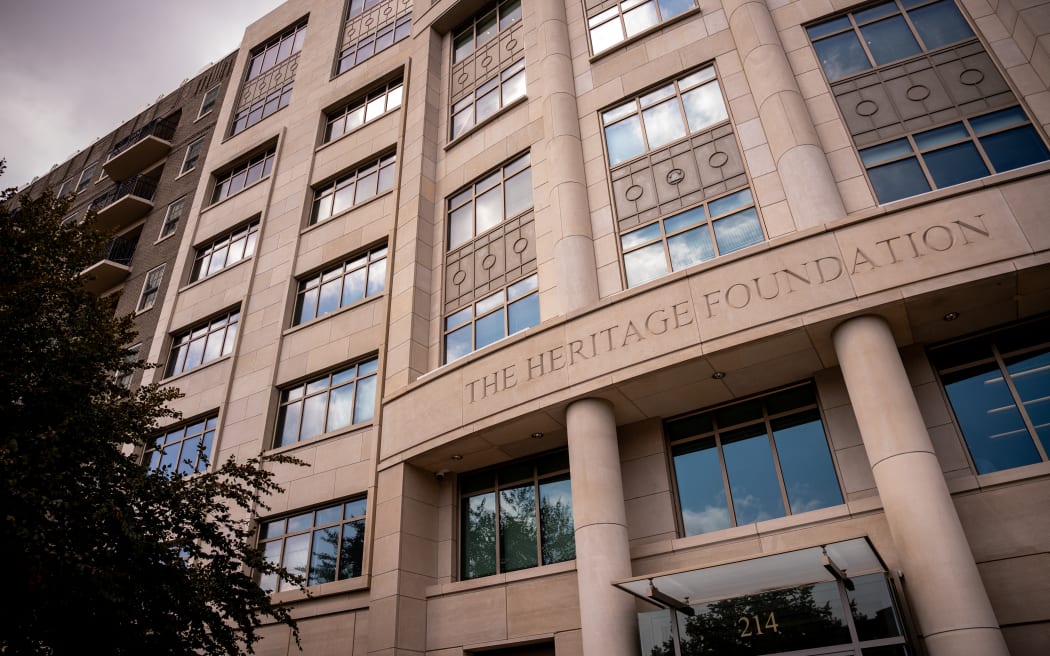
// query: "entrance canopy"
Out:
[846,559]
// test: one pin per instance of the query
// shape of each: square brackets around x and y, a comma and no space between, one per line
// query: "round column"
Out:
[940,575]
[607,615]
[568,212]
[809,186]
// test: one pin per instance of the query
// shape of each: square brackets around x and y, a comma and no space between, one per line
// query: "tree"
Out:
[102,554]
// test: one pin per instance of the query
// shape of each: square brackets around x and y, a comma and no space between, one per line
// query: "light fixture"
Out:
[456,456]
[718,375]
[951,316]
[536,436]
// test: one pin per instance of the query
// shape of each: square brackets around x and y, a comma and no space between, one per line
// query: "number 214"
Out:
[752,625]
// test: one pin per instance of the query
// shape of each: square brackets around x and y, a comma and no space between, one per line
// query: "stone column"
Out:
[808,183]
[940,574]
[567,212]
[607,615]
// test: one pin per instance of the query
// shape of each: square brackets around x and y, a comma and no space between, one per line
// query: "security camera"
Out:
[440,475]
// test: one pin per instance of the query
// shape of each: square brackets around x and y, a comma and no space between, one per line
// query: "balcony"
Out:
[141,148]
[114,267]
[124,204]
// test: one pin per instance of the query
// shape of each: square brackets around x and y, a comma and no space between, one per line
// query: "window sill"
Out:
[346,308]
[489,119]
[501,579]
[326,144]
[641,35]
[315,226]
[231,137]
[1006,476]
[232,196]
[320,590]
[168,380]
[323,437]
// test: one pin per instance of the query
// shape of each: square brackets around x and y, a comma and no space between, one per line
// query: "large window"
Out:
[225,251]
[353,188]
[492,318]
[687,105]
[485,204]
[275,51]
[364,109]
[483,28]
[631,17]
[885,33]
[321,545]
[331,402]
[342,285]
[203,343]
[516,516]
[952,154]
[243,175]
[752,461]
[489,98]
[999,387]
[184,449]
[261,108]
[715,228]
[374,42]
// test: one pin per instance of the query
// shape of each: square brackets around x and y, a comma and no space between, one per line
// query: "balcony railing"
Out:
[140,149]
[113,267]
[123,204]
[120,250]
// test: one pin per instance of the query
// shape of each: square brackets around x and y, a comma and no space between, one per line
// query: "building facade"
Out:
[618,327]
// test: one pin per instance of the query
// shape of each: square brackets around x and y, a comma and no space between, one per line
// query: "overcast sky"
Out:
[73,70]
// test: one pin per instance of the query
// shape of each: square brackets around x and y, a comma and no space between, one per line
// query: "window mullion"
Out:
[920,159]
[499,524]
[863,44]
[1032,433]
[539,514]
[725,476]
[776,461]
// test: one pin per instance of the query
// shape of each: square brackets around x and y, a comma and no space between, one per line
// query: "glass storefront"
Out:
[818,618]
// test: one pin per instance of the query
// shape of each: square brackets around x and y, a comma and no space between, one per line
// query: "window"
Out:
[322,545]
[483,322]
[243,175]
[998,385]
[193,153]
[66,187]
[885,33]
[358,7]
[261,108]
[185,449]
[357,278]
[276,50]
[203,343]
[673,243]
[150,288]
[353,189]
[329,403]
[687,105]
[516,516]
[208,103]
[85,176]
[131,356]
[503,194]
[631,17]
[172,218]
[373,43]
[952,154]
[489,98]
[484,28]
[225,251]
[363,110]
[752,461]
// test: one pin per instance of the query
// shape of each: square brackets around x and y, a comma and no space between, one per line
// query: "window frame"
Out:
[536,479]
[530,293]
[170,225]
[265,157]
[268,105]
[456,201]
[225,324]
[153,292]
[346,506]
[364,102]
[617,13]
[327,191]
[399,28]
[993,354]
[510,77]
[209,427]
[715,434]
[294,35]
[300,393]
[208,101]
[66,187]
[205,251]
[86,177]
[501,23]
[373,261]
[196,156]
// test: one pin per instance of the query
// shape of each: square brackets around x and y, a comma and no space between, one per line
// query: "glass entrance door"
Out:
[820,619]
